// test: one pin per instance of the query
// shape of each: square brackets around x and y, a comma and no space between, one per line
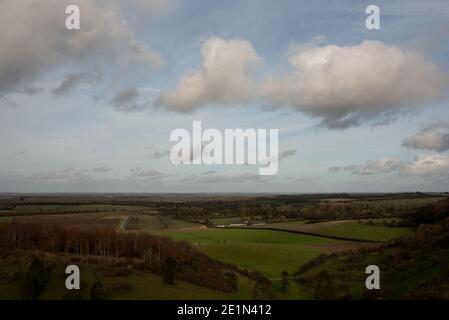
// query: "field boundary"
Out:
[307,234]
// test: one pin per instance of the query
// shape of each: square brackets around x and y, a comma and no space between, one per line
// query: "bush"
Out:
[263,289]
[35,280]
[97,292]
[285,283]
[170,270]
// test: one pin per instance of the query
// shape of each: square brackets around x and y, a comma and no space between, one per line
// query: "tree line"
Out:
[160,255]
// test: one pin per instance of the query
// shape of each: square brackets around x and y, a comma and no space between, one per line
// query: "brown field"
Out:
[100,220]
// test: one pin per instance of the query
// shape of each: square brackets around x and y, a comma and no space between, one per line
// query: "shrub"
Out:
[35,280]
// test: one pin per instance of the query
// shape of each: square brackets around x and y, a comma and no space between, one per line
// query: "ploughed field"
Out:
[103,220]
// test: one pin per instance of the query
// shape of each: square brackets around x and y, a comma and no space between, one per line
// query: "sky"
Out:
[91,110]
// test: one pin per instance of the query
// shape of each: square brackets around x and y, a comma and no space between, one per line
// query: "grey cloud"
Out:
[208,172]
[71,81]
[150,7]
[148,175]
[128,100]
[160,154]
[421,166]
[40,43]
[427,165]
[307,180]
[65,175]
[434,137]
[212,177]
[287,153]
[384,165]
[102,170]
[242,178]
[20,153]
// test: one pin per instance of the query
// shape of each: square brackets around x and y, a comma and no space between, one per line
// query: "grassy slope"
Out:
[140,286]
[270,252]
[396,279]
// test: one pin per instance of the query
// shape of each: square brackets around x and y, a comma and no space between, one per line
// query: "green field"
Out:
[270,252]
[362,231]
[401,201]
[225,221]
[347,229]
[150,223]
[173,223]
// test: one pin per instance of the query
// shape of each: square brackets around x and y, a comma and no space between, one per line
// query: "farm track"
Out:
[162,221]
[125,223]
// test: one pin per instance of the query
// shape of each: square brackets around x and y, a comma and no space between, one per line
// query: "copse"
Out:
[430,214]
[149,251]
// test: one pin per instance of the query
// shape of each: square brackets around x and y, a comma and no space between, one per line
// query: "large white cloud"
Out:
[341,85]
[427,165]
[224,77]
[344,85]
[434,137]
[34,40]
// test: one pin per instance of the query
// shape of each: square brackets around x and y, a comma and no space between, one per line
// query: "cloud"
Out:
[223,79]
[150,7]
[422,165]
[335,169]
[208,172]
[148,175]
[160,154]
[434,137]
[128,101]
[101,170]
[345,85]
[211,177]
[70,82]
[287,153]
[427,165]
[35,41]
[19,153]
[242,178]
[65,175]
[384,165]
[341,85]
